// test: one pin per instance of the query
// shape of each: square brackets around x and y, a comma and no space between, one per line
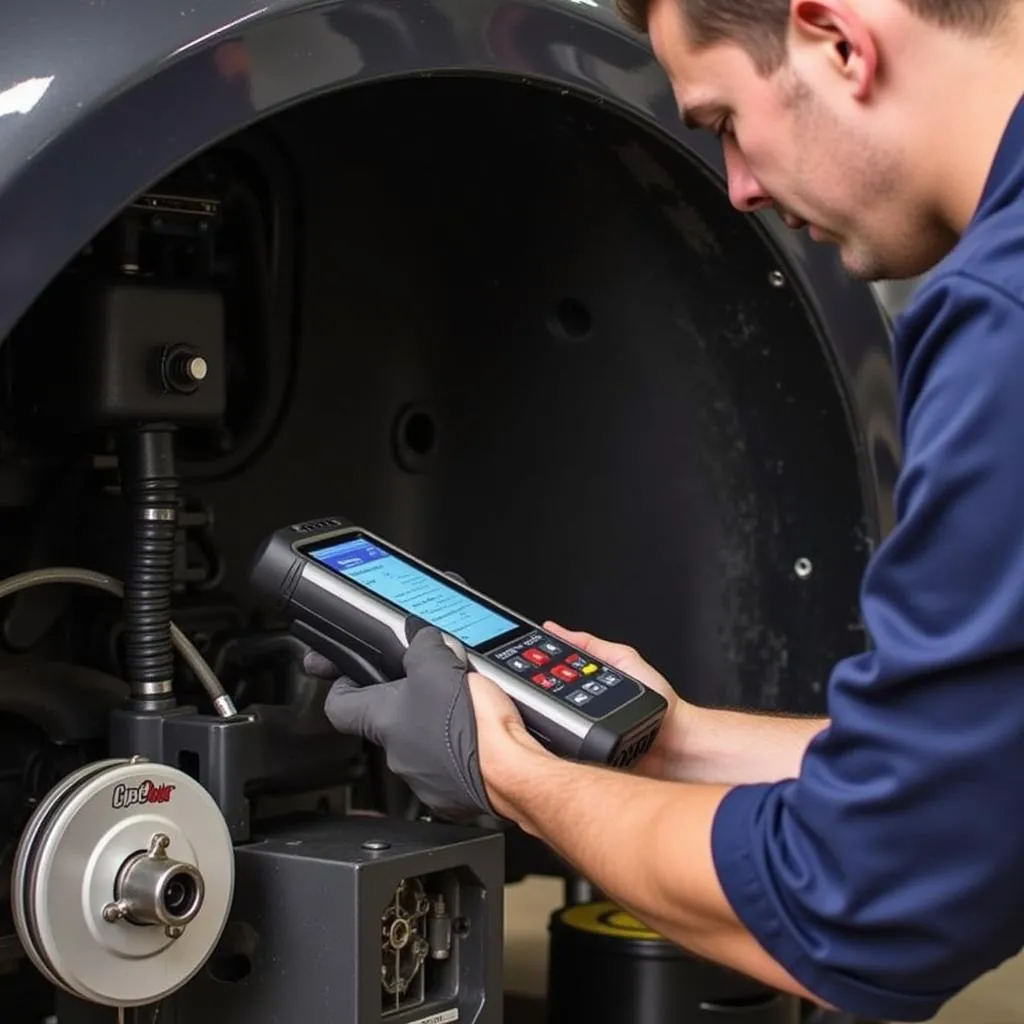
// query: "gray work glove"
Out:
[424,722]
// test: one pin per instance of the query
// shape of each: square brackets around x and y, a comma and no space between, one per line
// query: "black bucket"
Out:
[605,967]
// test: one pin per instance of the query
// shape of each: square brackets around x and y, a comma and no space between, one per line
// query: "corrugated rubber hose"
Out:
[150,486]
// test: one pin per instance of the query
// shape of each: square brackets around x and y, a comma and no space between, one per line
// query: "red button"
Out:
[564,672]
[542,679]
[537,657]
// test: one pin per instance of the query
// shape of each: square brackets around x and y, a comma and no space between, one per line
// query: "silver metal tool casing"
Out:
[520,691]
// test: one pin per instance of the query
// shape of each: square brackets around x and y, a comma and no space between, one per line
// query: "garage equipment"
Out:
[644,977]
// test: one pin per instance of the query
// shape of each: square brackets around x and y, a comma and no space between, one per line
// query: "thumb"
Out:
[429,657]
[490,702]
[358,710]
[495,711]
[315,664]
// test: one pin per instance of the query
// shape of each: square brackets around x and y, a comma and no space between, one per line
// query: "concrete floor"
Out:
[996,999]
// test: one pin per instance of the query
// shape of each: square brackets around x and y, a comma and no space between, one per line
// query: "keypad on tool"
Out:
[558,668]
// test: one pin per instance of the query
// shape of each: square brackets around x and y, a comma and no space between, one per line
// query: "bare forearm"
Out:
[646,844]
[731,747]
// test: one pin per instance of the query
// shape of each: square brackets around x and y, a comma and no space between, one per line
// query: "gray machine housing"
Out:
[305,941]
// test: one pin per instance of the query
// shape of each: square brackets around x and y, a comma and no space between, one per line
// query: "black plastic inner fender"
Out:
[522,336]
[537,346]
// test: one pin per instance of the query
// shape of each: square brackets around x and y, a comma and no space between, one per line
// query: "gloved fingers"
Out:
[464,750]
[425,722]
[316,665]
[413,625]
[360,710]
[429,656]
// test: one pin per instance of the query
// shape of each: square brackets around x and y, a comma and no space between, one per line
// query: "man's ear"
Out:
[847,39]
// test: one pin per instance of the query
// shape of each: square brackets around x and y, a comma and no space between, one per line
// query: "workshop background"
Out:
[996,999]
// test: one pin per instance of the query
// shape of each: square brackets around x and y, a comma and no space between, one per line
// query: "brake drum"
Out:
[123,882]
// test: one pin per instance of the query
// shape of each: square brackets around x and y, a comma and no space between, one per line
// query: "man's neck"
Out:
[974,146]
[971,103]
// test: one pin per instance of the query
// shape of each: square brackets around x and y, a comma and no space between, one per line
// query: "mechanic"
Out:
[872,861]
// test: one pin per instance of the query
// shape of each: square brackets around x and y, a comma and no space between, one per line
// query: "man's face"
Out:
[800,141]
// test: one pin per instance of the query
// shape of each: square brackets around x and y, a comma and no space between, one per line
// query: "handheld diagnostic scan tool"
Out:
[348,594]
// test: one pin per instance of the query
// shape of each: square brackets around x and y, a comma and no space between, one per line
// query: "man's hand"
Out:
[661,760]
[509,755]
[460,744]
[618,656]
[426,723]
[698,744]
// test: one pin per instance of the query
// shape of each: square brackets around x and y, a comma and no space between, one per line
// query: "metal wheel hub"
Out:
[123,882]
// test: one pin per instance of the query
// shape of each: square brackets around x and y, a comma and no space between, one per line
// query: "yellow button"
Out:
[589,669]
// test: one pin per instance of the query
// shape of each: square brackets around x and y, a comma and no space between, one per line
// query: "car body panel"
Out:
[101,98]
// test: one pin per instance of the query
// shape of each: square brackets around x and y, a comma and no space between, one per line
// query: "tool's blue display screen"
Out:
[414,591]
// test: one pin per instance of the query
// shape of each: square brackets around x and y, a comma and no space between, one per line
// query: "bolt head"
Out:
[197,368]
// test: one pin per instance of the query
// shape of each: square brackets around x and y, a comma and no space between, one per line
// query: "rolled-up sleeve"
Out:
[890,873]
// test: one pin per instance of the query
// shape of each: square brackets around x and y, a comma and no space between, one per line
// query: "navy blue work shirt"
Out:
[890,873]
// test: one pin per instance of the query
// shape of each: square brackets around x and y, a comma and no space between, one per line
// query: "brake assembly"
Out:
[123,881]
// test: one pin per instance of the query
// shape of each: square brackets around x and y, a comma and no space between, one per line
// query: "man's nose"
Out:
[745,191]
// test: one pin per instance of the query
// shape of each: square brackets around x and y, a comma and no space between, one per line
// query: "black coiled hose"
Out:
[150,486]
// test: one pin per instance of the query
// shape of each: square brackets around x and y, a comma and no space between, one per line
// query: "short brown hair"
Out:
[760,26]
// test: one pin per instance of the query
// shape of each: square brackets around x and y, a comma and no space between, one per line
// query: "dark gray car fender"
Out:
[101,98]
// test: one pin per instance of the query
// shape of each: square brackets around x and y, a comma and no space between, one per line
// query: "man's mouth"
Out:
[791,220]
[817,234]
